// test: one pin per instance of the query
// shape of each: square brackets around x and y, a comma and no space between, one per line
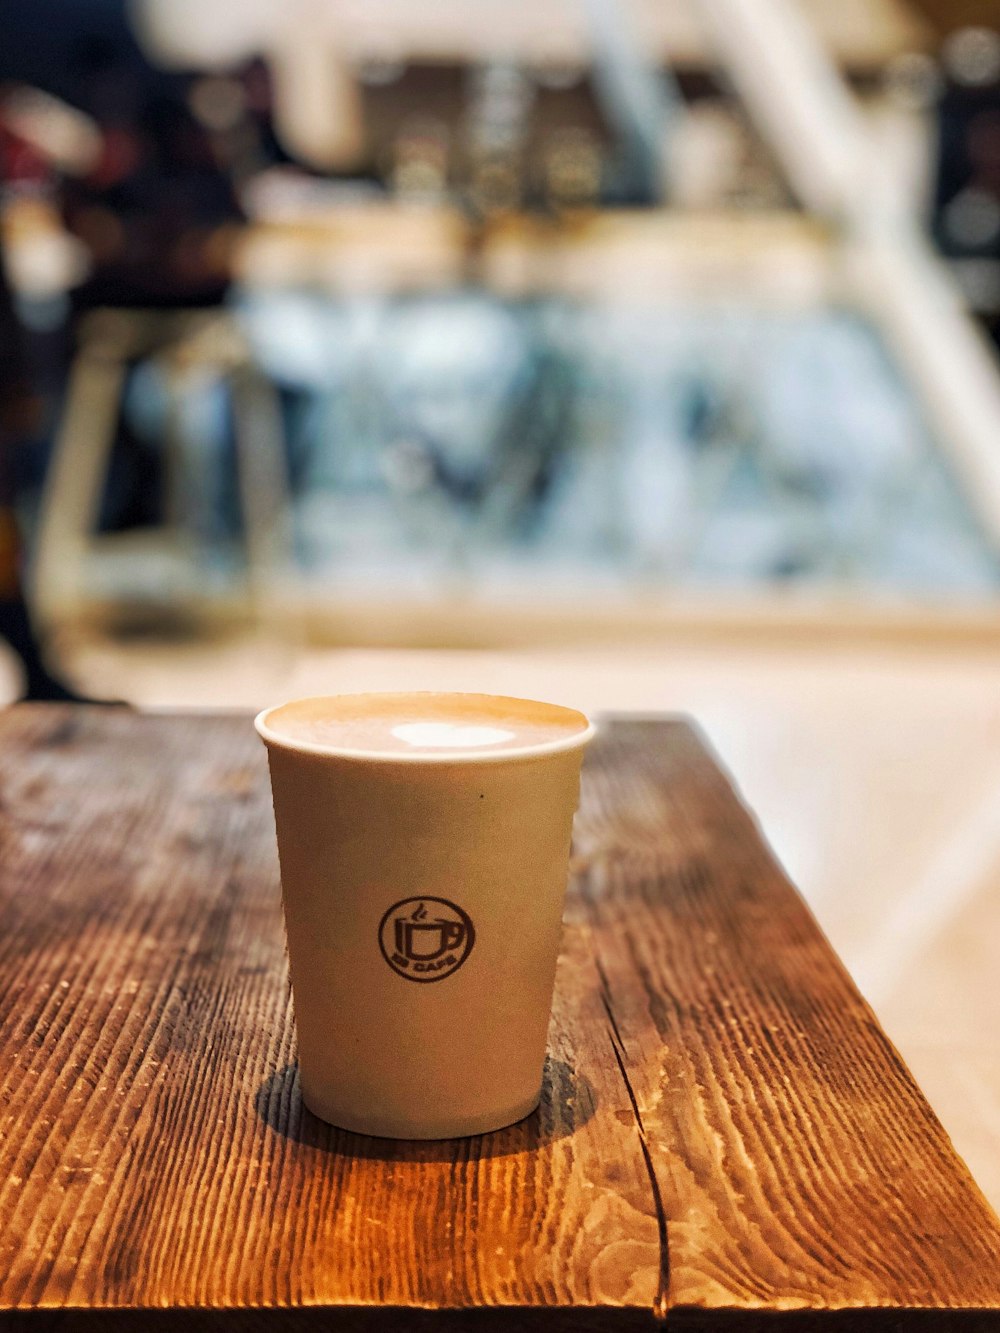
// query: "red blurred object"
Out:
[21,164]
[121,153]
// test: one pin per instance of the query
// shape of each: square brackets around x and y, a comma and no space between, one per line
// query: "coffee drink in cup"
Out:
[424,842]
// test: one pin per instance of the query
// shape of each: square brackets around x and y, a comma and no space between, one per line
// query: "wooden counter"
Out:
[727,1138]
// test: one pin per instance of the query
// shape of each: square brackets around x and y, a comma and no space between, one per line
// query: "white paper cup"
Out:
[423,897]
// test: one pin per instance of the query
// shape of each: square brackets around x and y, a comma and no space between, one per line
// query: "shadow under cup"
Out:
[423,893]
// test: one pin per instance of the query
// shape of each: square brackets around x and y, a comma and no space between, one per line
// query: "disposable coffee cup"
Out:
[424,842]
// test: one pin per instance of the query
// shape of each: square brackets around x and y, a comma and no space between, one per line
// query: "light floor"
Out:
[875,773]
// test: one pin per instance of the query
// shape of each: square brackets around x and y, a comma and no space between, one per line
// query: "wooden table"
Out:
[727,1138]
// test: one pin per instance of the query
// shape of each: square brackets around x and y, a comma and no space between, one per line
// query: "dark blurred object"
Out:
[151,208]
[150,202]
[947,15]
[966,219]
[966,214]
[155,207]
[18,410]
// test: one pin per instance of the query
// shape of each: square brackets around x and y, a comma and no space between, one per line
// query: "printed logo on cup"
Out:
[425,939]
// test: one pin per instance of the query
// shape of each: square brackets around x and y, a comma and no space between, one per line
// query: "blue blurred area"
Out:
[687,446]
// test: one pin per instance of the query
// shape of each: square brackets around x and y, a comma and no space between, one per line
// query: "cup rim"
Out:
[538,750]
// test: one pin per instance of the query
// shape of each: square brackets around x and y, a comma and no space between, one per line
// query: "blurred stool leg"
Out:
[264,491]
[71,496]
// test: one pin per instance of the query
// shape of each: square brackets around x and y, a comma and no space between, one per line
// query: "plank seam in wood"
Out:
[662,1302]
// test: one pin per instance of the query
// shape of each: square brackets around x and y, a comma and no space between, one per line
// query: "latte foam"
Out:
[423,725]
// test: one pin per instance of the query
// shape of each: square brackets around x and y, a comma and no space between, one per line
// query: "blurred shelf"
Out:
[582,616]
[861,34]
[780,258]
[578,616]
[354,248]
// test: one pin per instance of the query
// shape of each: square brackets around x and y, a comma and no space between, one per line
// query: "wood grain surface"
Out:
[727,1138]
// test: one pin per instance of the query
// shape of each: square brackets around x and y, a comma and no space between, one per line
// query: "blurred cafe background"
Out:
[639,354]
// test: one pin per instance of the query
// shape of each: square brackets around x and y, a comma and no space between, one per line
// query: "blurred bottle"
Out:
[497,122]
[571,169]
[420,167]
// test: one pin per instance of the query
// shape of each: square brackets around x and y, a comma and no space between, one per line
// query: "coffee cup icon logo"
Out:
[425,939]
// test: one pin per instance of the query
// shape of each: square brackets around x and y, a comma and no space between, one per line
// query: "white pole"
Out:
[808,115]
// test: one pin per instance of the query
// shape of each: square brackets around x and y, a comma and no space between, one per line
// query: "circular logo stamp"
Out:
[425,939]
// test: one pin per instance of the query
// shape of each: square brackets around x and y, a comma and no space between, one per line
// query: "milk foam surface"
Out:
[428,724]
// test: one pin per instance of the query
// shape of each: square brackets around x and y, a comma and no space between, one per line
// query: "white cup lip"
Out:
[270,737]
